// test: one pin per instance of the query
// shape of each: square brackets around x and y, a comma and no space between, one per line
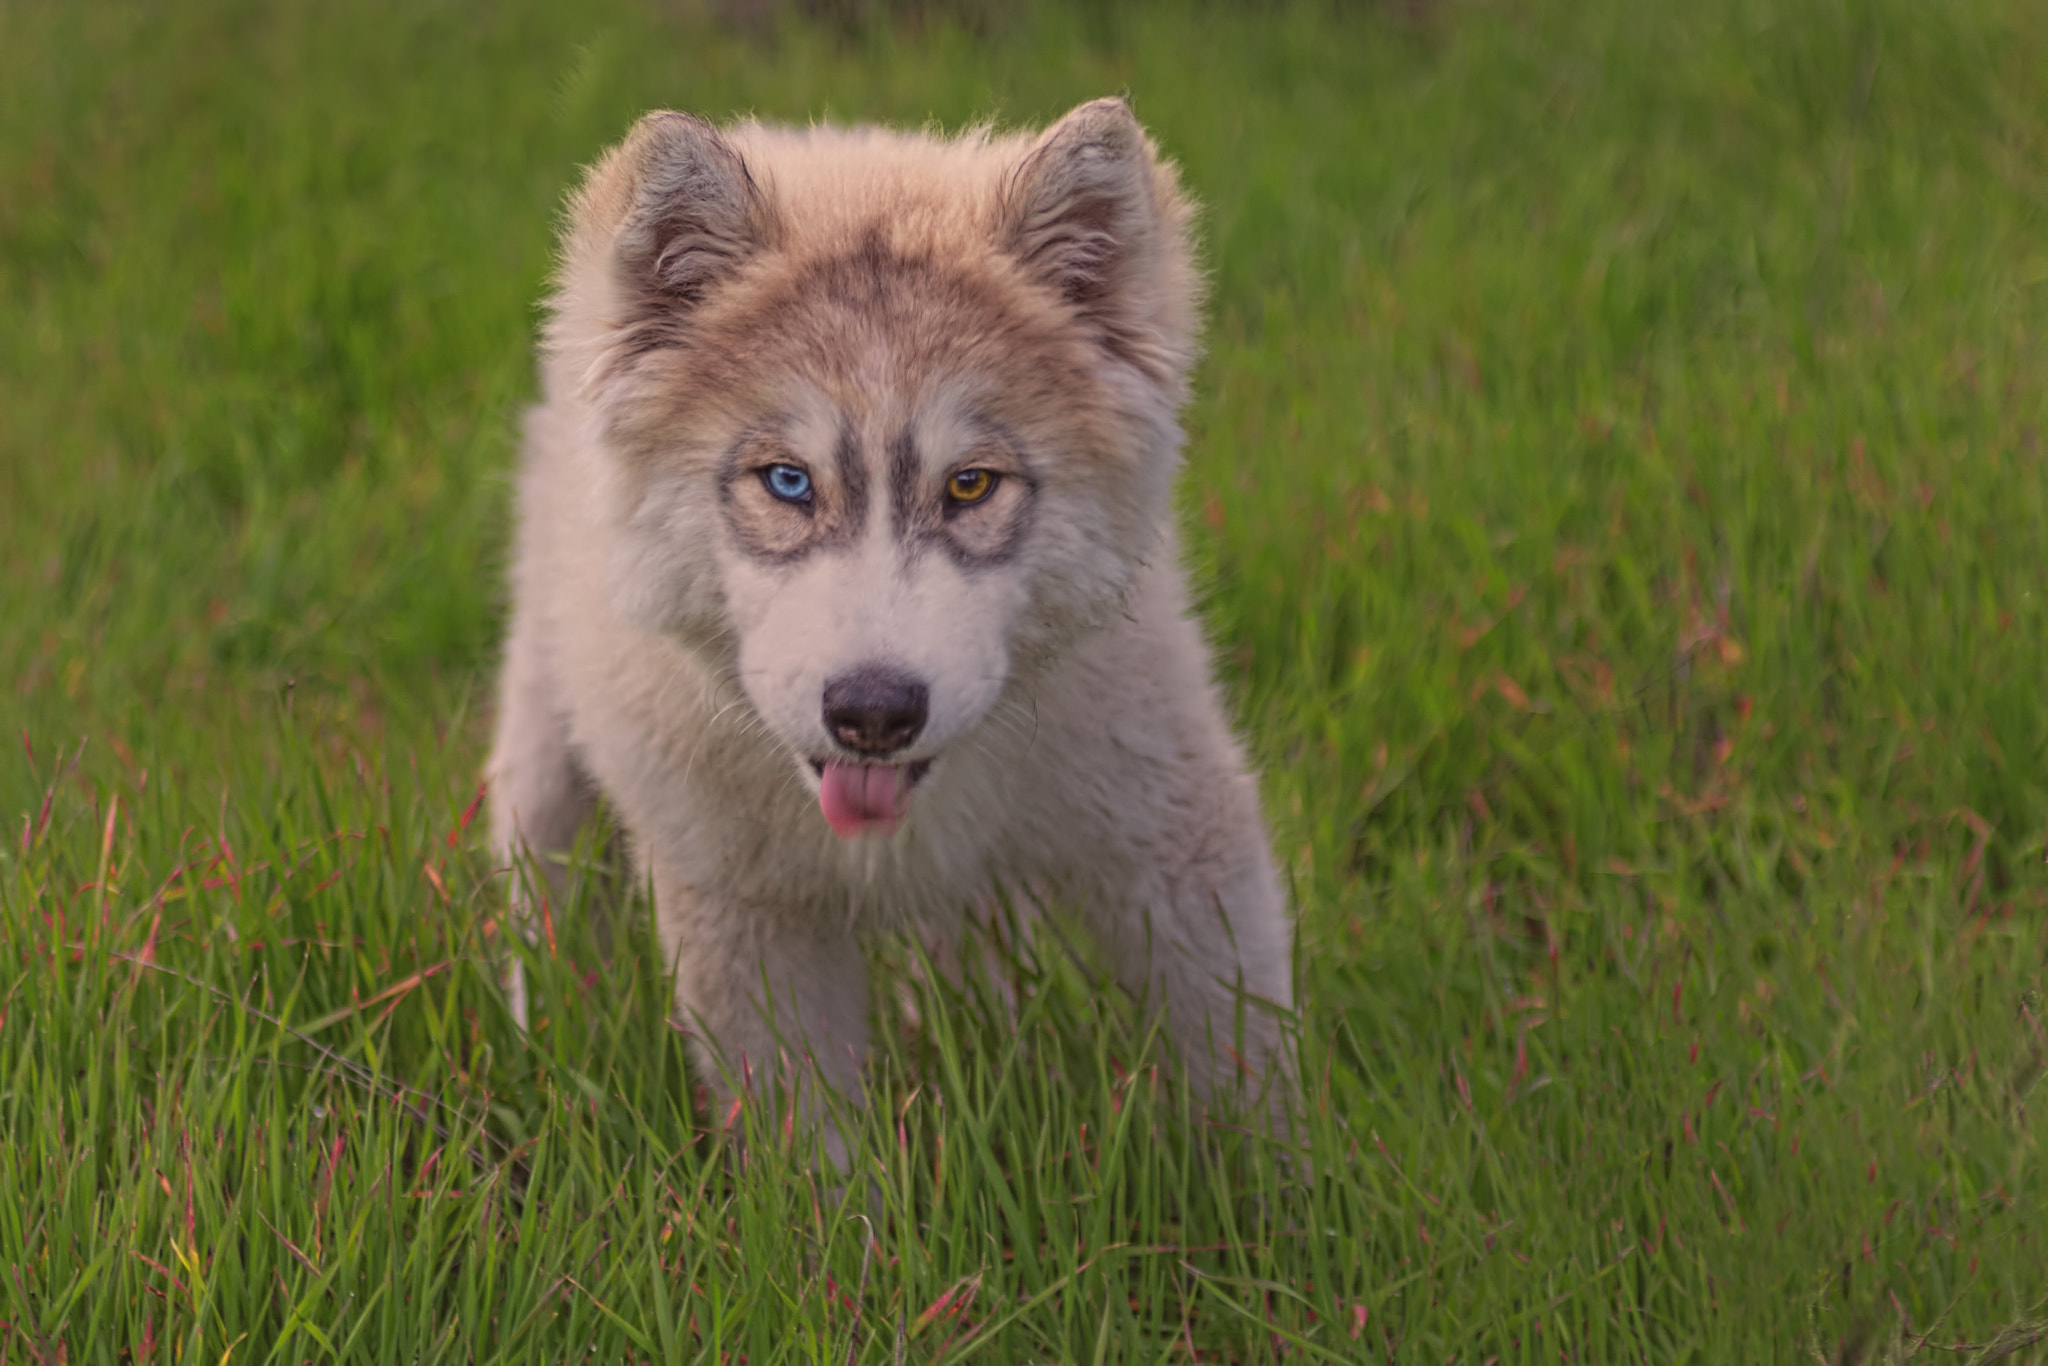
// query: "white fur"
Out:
[1079,751]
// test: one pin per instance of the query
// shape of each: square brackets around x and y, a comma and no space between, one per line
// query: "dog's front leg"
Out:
[539,794]
[777,1007]
[1205,937]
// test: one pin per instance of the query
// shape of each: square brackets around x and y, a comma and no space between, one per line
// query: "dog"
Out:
[846,574]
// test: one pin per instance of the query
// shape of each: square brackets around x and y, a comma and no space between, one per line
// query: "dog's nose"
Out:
[876,709]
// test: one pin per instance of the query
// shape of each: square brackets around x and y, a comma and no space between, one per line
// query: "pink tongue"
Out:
[862,799]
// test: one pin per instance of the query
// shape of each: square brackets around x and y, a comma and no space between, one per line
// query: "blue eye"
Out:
[790,483]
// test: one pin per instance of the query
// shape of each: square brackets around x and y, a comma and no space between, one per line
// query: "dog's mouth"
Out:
[866,799]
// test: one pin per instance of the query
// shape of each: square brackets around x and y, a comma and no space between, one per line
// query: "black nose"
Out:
[875,709]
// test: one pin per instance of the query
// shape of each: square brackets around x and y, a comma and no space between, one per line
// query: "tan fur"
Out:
[880,309]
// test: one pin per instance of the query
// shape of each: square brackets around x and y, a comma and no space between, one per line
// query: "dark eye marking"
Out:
[761,461]
[965,521]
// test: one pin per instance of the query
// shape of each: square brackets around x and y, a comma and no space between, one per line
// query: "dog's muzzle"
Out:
[873,711]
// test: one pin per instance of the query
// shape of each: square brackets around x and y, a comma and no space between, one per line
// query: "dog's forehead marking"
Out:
[853,478]
[871,315]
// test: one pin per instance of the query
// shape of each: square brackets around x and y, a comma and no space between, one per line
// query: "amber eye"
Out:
[971,486]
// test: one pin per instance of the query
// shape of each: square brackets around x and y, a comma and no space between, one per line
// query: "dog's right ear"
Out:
[696,213]
[657,224]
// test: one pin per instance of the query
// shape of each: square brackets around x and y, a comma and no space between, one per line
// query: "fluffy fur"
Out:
[873,706]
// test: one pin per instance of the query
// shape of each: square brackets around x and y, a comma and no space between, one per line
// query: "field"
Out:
[1618,490]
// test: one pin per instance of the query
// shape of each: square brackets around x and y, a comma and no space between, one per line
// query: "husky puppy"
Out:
[847,573]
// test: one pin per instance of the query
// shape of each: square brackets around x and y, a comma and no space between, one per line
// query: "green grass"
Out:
[1617,482]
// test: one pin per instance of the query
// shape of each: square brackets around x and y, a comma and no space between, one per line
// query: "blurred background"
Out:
[1588,384]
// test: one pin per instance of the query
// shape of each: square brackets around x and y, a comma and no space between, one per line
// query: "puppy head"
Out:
[886,421]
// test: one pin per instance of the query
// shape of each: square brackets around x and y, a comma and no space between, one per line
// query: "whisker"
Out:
[747,721]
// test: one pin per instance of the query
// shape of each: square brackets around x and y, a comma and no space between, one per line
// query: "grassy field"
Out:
[1617,482]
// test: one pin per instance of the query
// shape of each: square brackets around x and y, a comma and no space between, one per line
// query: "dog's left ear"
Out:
[1095,215]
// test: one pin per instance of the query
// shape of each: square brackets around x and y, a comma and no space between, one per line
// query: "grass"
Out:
[1618,488]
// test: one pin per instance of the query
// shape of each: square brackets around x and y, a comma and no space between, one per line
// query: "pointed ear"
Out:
[1094,215]
[658,222]
[695,215]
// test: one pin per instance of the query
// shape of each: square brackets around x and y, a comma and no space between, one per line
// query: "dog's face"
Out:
[882,440]
[875,586]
